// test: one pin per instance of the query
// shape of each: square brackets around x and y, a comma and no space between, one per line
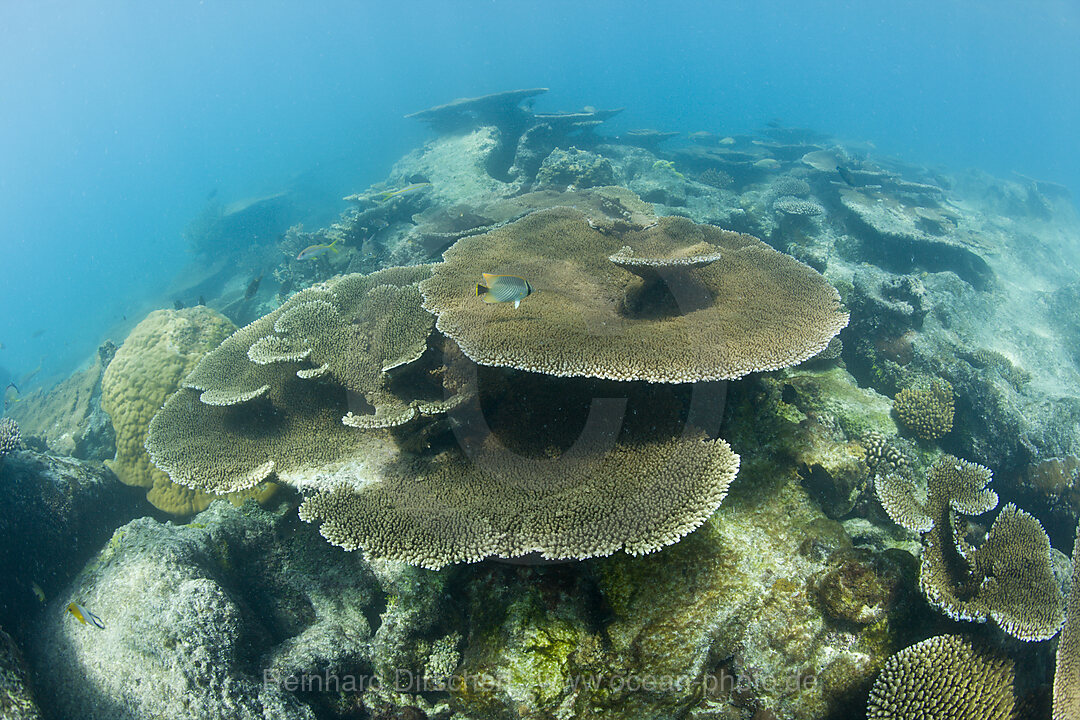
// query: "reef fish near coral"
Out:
[384,196]
[85,616]
[316,250]
[503,288]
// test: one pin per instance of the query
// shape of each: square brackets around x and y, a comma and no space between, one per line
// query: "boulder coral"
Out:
[145,371]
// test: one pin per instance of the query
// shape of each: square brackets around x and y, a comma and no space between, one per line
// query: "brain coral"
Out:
[146,370]
[927,410]
[945,678]
[653,304]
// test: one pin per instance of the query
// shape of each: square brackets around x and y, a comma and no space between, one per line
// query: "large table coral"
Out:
[342,391]
[741,307]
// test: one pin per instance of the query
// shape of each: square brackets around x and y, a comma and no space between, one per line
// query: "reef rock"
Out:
[16,700]
[213,619]
[56,513]
[67,419]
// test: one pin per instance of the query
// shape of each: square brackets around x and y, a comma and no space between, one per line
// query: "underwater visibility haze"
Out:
[482,360]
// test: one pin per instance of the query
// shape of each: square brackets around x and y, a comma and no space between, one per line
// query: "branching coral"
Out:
[9,437]
[947,677]
[927,410]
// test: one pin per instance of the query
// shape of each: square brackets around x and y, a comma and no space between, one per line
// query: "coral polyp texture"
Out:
[947,677]
[927,409]
[9,436]
[753,309]
[637,497]
[1067,667]
[145,371]
[1008,579]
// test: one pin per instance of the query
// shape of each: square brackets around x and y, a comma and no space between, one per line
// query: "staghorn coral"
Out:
[927,410]
[637,497]
[947,677]
[755,309]
[146,369]
[9,437]
[1067,668]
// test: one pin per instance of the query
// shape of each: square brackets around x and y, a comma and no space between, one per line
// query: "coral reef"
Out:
[56,513]
[947,677]
[754,309]
[927,410]
[9,437]
[579,168]
[67,419]
[146,370]
[205,620]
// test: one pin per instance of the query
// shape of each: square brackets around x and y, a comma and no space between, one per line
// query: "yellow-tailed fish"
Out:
[503,288]
[38,592]
[85,616]
[316,250]
[384,196]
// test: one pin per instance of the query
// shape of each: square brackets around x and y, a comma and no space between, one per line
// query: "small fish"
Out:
[11,395]
[38,592]
[85,616]
[845,175]
[503,288]
[1,346]
[253,286]
[384,196]
[316,250]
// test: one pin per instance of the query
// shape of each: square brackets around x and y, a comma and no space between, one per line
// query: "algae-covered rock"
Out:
[218,618]
[56,513]
[579,168]
[67,418]
[16,700]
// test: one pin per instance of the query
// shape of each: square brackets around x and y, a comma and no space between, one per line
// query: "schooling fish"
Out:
[316,250]
[85,616]
[503,288]
[384,196]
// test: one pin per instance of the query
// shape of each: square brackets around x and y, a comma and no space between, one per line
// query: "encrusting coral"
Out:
[146,370]
[754,309]
[927,410]
[947,677]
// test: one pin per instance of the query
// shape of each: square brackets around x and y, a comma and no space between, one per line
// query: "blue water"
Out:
[119,119]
